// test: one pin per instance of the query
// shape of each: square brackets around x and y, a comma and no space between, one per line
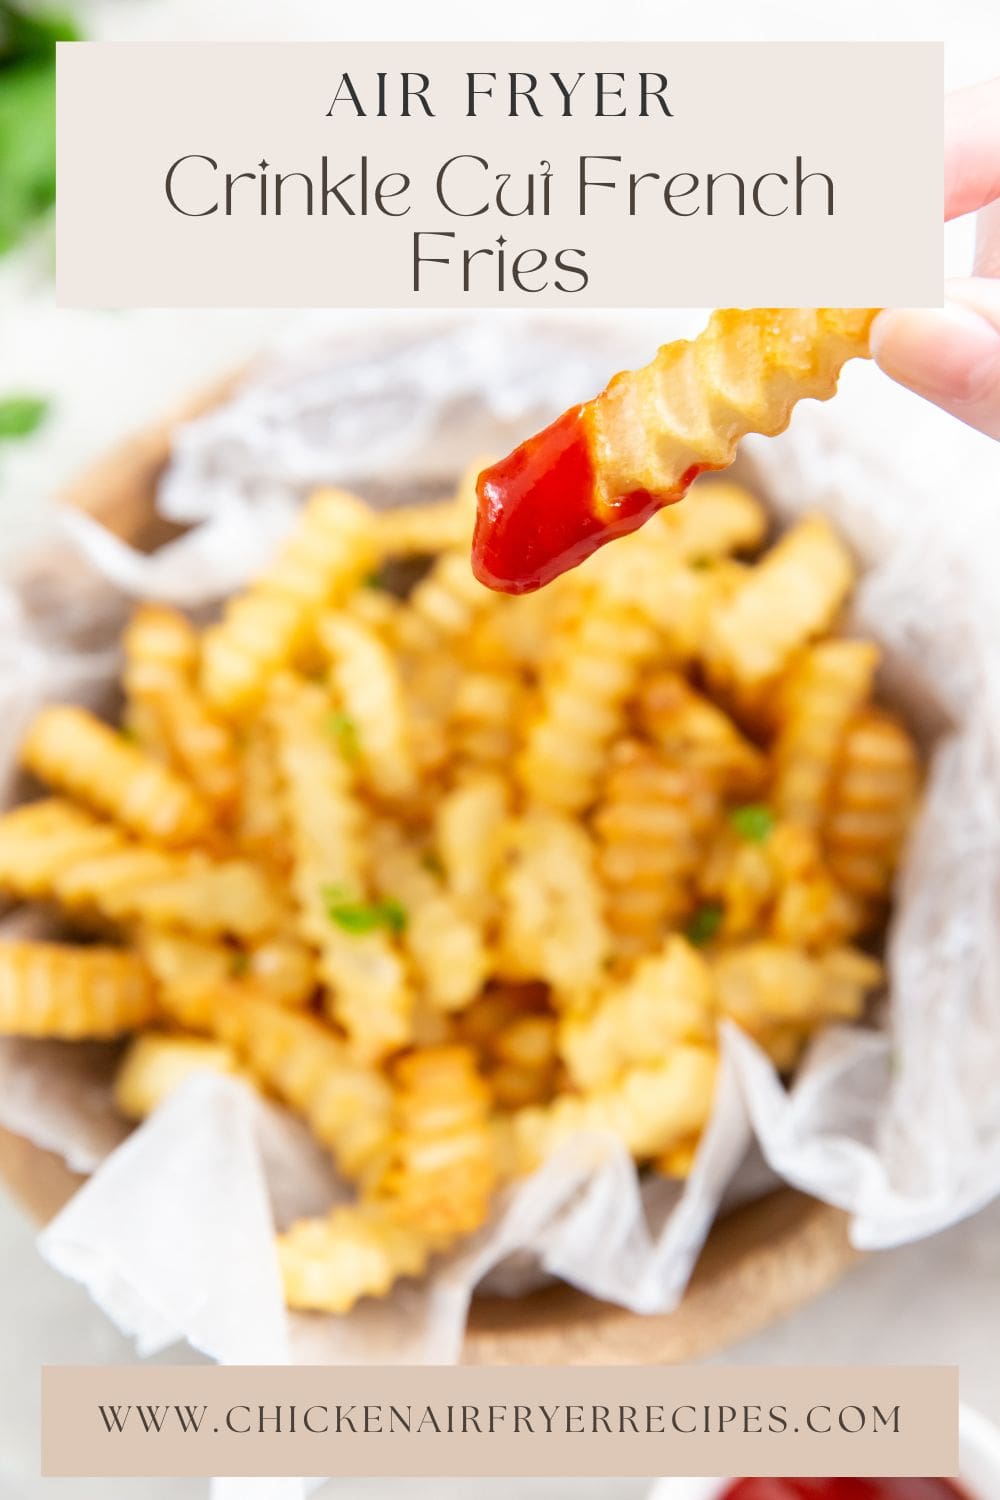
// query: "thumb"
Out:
[950,355]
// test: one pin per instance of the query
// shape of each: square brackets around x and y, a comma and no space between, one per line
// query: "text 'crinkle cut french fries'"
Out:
[53,990]
[331,549]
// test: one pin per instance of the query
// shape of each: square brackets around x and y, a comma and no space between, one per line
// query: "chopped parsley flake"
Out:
[754,822]
[704,925]
[359,917]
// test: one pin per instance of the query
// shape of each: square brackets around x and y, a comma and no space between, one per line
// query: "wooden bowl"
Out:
[760,1263]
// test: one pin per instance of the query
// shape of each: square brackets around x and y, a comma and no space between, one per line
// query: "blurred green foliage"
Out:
[21,415]
[28,115]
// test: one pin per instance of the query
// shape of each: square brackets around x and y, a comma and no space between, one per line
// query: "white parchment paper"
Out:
[900,1125]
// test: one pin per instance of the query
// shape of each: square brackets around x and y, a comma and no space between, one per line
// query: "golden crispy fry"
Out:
[691,406]
[52,990]
[694,732]
[260,829]
[760,984]
[374,727]
[652,824]
[445,945]
[161,658]
[667,999]
[792,595]
[51,850]
[469,823]
[156,1063]
[332,547]
[345,1103]
[358,1250]
[823,692]
[368,991]
[443,605]
[648,1109]
[484,718]
[583,706]
[425,530]
[70,749]
[41,839]
[442,1165]
[283,969]
[552,924]
[718,517]
[872,800]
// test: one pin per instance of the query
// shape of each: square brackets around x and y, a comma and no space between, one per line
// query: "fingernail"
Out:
[947,354]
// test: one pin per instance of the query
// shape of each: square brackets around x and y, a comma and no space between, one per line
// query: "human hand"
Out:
[951,355]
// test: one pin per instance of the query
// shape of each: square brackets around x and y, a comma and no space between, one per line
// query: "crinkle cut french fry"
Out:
[693,731]
[445,945]
[345,1103]
[54,990]
[552,923]
[443,605]
[370,694]
[330,550]
[583,706]
[648,1109]
[51,850]
[652,824]
[442,1164]
[358,1250]
[156,1063]
[693,403]
[668,998]
[718,517]
[468,826]
[764,983]
[73,751]
[793,594]
[369,993]
[822,693]
[41,839]
[260,827]
[161,658]
[872,798]
[425,530]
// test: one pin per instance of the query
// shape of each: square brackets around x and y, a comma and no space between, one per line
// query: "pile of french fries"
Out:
[455,876]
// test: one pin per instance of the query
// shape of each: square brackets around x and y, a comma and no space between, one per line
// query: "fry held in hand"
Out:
[604,468]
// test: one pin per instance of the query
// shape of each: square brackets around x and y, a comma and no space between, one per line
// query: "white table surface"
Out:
[935,1301]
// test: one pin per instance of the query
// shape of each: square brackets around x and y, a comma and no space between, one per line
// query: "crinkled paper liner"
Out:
[173,1232]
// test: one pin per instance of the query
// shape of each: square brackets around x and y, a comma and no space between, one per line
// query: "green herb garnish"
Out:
[374,580]
[704,925]
[431,862]
[344,730]
[701,563]
[239,965]
[21,415]
[754,822]
[358,917]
